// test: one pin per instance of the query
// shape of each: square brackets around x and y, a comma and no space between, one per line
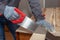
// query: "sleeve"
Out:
[14,3]
[36,9]
[2,7]
[3,4]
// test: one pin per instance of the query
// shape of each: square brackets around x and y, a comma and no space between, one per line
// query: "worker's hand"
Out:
[46,25]
[10,14]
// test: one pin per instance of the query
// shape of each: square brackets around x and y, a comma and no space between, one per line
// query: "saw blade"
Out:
[29,24]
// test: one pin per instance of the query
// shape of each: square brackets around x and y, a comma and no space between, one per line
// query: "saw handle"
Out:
[21,18]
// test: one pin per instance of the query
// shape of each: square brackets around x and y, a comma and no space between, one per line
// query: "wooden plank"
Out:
[24,36]
[58,19]
[8,36]
[39,34]
[53,16]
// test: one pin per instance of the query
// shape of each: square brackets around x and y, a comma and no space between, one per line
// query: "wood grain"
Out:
[53,16]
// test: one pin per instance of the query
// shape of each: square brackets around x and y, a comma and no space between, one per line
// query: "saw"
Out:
[24,21]
[27,23]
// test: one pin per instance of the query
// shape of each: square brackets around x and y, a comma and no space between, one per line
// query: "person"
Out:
[3,21]
[6,9]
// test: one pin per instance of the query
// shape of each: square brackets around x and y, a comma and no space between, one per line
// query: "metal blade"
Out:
[29,24]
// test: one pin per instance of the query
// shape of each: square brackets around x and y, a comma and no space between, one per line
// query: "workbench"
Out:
[23,34]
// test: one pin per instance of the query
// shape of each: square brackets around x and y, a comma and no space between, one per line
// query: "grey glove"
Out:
[46,25]
[10,13]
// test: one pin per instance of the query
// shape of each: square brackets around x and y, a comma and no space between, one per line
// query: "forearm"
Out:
[36,9]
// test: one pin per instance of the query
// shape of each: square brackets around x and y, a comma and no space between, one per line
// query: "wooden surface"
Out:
[53,16]
[22,36]
[23,30]
[39,34]
[8,36]
[49,36]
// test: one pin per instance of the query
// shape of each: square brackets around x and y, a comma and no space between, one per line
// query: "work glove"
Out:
[10,13]
[49,27]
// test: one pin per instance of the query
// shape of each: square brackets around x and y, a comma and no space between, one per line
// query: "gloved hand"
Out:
[46,25]
[10,13]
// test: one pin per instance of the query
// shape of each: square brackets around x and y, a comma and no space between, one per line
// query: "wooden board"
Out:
[39,34]
[8,36]
[53,16]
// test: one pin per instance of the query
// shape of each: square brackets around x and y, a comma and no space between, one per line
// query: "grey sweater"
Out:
[3,3]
